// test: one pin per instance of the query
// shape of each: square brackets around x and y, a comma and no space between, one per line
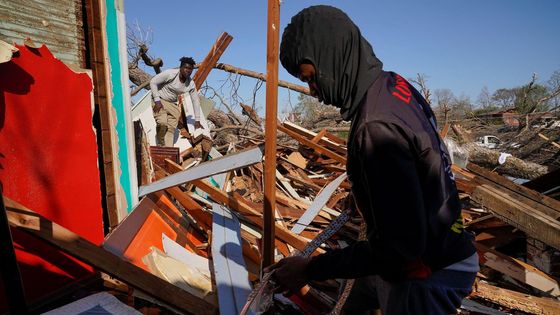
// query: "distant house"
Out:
[509,116]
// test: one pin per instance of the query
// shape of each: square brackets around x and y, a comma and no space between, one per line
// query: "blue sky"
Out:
[459,45]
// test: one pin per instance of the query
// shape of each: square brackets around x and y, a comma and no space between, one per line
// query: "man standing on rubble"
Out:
[417,258]
[167,87]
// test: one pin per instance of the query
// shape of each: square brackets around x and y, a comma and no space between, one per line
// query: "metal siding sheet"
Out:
[57,24]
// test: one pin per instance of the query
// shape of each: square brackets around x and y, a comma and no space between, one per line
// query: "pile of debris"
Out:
[193,242]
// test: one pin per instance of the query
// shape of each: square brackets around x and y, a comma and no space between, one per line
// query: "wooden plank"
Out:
[297,159]
[515,300]
[232,278]
[553,205]
[74,245]
[240,205]
[206,169]
[518,270]
[319,135]
[204,219]
[317,147]
[98,59]
[286,183]
[306,184]
[319,202]
[515,213]
[329,141]
[211,59]
[461,171]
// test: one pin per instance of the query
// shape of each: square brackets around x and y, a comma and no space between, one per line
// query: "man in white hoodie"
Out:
[166,88]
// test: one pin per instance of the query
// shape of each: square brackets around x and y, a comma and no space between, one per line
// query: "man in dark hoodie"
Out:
[422,259]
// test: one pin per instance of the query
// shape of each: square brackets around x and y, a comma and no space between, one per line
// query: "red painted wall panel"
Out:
[48,160]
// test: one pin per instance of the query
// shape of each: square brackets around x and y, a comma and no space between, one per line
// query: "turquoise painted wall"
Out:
[118,100]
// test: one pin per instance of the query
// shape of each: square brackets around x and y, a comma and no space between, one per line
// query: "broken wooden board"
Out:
[317,147]
[517,214]
[204,220]
[206,169]
[518,270]
[515,300]
[318,204]
[76,246]
[328,140]
[211,59]
[541,202]
[239,205]
[297,159]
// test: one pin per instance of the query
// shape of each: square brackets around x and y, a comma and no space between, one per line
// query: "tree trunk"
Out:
[138,76]
[512,166]
[489,158]
[219,118]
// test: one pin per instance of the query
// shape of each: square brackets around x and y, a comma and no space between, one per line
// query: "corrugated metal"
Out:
[56,23]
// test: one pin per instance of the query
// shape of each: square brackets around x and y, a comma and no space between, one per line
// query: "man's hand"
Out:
[197,125]
[157,107]
[289,273]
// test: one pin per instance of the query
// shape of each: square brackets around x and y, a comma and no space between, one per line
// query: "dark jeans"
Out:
[441,293]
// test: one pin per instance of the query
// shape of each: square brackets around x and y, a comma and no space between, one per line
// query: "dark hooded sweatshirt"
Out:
[397,165]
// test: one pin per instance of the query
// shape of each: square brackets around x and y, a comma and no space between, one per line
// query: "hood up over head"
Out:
[344,62]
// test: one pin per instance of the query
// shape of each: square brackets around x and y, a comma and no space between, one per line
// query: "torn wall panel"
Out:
[48,158]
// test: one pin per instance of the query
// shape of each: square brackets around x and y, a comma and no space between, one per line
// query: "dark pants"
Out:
[441,293]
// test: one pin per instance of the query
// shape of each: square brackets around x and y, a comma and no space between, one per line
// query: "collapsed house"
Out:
[101,218]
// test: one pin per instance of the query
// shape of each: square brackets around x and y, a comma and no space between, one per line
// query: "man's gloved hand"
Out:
[197,125]
[157,106]
[289,273]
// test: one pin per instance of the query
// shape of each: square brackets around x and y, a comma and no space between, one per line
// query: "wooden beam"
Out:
[317,147]
[545,204]
[515,300]
[76,246]
[211,59]
[97,61]
[239,205]
[318,204]
[517,214]
[518,270]
[329,140]
[262,77]
[269,180]
[216,166]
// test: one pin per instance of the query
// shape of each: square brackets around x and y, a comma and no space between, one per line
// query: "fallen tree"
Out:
[489,158]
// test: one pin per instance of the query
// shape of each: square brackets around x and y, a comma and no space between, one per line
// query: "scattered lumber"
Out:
[204,207]
[30,222]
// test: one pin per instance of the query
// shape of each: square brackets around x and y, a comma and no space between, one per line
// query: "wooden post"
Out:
[270,130]
[211,59]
